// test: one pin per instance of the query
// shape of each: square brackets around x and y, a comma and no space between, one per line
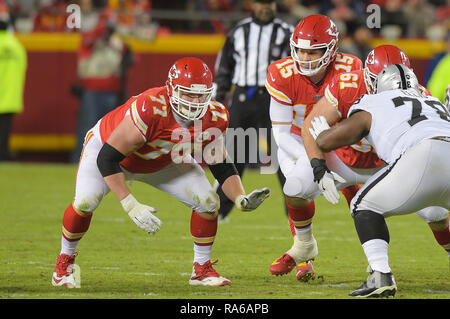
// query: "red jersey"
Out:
[343,90]
[152,114]
[290,88]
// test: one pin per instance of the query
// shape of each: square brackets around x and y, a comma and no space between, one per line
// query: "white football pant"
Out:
[186,182]
[419,178]
[300,179]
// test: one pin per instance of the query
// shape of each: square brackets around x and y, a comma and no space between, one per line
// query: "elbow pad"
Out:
[108,160]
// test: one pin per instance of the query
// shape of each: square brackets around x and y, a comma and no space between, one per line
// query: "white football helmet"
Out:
[396,76]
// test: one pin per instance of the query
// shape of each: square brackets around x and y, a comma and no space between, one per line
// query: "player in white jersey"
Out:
[407,130]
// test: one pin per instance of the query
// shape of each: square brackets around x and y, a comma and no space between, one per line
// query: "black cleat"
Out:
[377,285]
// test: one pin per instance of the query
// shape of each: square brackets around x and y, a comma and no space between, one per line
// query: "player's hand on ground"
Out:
[319,124]
[141,215]
[253,200]
[327,185]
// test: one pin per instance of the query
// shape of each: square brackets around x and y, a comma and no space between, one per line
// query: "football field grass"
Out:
[119,261]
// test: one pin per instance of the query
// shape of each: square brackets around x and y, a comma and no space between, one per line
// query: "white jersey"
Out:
[401,119]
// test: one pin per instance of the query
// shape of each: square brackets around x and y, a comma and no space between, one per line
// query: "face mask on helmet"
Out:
[189,88]
[312,33]
[378,59]
[396,76]
[191,103]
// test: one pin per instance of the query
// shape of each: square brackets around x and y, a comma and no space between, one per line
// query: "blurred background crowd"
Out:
[144,18]
[75,75]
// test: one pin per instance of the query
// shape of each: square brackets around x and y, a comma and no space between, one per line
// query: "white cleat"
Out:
[206,275]
[67,281]
[63,274]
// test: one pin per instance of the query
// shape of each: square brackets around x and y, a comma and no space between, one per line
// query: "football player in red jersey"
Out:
[151,138]
[344,90]
[295,84]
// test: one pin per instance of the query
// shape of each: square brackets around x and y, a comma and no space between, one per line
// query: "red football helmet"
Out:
[189,86]
[314,32]
[378,59]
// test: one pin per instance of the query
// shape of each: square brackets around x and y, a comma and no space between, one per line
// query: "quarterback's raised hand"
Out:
[141,215]
[326,180]
[319,124]
[253,200]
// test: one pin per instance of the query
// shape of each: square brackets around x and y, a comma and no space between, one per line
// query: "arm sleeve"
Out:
[285,140]
[282,132]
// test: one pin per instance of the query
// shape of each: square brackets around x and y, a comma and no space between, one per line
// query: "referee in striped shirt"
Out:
[241,70]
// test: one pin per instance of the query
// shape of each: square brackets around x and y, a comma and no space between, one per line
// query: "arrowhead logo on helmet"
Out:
[378,59]
[174,72]
[332,30]
[314,32]
[189,87]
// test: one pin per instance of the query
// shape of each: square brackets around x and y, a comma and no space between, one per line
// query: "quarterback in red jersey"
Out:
[154,138]
[343,91]
[295,84]
[340,94]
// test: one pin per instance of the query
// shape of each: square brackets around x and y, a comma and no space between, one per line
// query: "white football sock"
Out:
[68,247]
[202,253]
[304,234]
[376,251]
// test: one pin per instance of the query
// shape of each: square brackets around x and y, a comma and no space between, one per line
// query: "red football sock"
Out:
[443,239]
[203,233]
[74,226]
[350,192]
[300,218]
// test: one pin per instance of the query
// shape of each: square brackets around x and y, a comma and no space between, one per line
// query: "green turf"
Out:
[120,261]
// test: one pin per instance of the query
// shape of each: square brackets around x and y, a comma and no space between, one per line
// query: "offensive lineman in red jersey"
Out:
[150,139]
[344,90]
[295,84]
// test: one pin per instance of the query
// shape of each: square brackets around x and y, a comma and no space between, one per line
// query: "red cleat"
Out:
[282,265]
[62,275]
[206,275]
[305,271]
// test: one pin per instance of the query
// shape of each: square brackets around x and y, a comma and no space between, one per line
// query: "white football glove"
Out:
[253,200]
[328,186]
[319,124]
[141,215]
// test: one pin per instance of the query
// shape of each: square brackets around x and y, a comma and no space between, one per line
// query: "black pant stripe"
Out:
[369,187]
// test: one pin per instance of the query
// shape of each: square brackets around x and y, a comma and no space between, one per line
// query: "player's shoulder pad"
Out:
[217,116]
[356,63]
[359,104]
[150,106]
[424,91]
[279,79]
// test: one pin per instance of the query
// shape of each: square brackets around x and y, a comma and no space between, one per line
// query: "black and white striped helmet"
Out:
[396,76]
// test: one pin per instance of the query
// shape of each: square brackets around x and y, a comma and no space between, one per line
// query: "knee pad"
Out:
[293,187]
[87,204]
[208,203]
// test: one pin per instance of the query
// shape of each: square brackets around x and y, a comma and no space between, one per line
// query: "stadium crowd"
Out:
[399,18]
